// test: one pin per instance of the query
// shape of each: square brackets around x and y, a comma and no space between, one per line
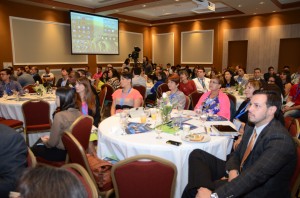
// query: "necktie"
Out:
[203,84]
[249,149]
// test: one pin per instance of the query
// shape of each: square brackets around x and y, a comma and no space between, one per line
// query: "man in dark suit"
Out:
[261,166]
[13,155]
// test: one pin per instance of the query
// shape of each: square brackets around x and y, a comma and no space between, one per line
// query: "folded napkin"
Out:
[167,129]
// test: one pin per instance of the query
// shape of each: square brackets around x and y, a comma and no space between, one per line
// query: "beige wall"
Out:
[264,24]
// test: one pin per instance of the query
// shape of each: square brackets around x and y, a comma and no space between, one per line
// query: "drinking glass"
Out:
[26,91]
[154,114]
[123,119]
[158,131]
[203,117]
[176,125]
[5,95]
[198,111]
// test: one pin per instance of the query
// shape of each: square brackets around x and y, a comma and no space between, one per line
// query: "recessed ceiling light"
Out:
[274,11]
[53,7]
[116,10]
[261,2]
[254,13]
[144,5]
[223,17]
[239,5]
[126,20]
[176,0]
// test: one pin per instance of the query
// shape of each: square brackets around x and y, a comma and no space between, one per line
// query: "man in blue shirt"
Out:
[7,85]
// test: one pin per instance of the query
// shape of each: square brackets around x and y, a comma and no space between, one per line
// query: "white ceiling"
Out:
[161,11]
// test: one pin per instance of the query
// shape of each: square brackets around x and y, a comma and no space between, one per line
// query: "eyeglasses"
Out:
[270,81]
[214,82]
[3,74]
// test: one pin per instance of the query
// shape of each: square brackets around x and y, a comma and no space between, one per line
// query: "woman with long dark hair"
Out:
[51,147]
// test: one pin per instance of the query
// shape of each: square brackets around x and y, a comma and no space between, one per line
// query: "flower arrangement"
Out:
[39,89]
[165,107]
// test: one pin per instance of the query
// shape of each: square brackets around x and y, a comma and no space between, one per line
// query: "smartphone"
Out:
[173,142]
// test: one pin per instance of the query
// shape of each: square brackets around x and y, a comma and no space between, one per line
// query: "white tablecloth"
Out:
[111,143]
[12,109]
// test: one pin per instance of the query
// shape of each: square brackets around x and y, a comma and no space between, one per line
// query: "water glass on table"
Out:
[123,119]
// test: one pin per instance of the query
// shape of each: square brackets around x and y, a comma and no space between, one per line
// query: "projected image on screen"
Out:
[92,34]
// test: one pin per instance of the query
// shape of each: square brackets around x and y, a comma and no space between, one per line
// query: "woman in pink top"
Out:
[127,97]
[215,101]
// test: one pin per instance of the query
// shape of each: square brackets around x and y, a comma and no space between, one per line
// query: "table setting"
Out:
[172,139]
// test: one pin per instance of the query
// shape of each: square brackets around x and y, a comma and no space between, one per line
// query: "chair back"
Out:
[31,160]
[295,180]
[110,91]
[232,100]
[102,96]
[81,130]
[161,89]
[141,176]
[84,177]
[287,122]
[195,96]
[187,103]
[76,153]
[36,114]
[294,128]
[30,88]
[142,89]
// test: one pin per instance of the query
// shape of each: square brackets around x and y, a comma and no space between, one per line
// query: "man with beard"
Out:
[24,78]
[261,166]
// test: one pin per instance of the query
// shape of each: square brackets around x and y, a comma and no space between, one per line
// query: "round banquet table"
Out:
[112,144]
[12,109]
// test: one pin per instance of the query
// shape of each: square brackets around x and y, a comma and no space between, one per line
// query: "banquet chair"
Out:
[36,115]
[187,103]
[232,100]
[288,121]
[31,160]
[295,180]
[195,96]
[141,176]
[81,130]
[161,89]
[294,129]
[142,89]
[84,177]
[30,88]
[76,154]
[110,91]
[15,124]
[102,96]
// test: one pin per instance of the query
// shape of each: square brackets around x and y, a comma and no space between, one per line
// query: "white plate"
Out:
[205,139]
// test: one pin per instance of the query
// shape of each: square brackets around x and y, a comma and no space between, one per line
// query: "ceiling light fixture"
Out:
[144,5]
[261,2]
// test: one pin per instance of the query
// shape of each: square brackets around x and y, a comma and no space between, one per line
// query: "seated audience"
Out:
[201,82]
[294,97]
[113,78]
[9,86]
[87,72]
[215,101]
[137,78]
[51,147]
[64,80]
[24,78]
[13,155]
[127,97]
[241,116]
[212,73]
[147,66]
[126,64]
[261,166]
[48,77]
[35,74]
[12,73]
[276,81]
[176,97]
[271,72]
[48,182]
[228,80]
[161,79]
[126,69]
[257,76]
[73,76]
[295,77]
[241,78]
[87,100]
[185,85]
[27,69]
[98,74]
[286,82]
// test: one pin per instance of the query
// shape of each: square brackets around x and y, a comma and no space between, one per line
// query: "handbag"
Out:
[101,170]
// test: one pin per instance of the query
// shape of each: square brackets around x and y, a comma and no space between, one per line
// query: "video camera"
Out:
[135,54]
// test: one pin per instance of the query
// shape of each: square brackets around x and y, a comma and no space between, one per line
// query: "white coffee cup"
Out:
[186,128]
